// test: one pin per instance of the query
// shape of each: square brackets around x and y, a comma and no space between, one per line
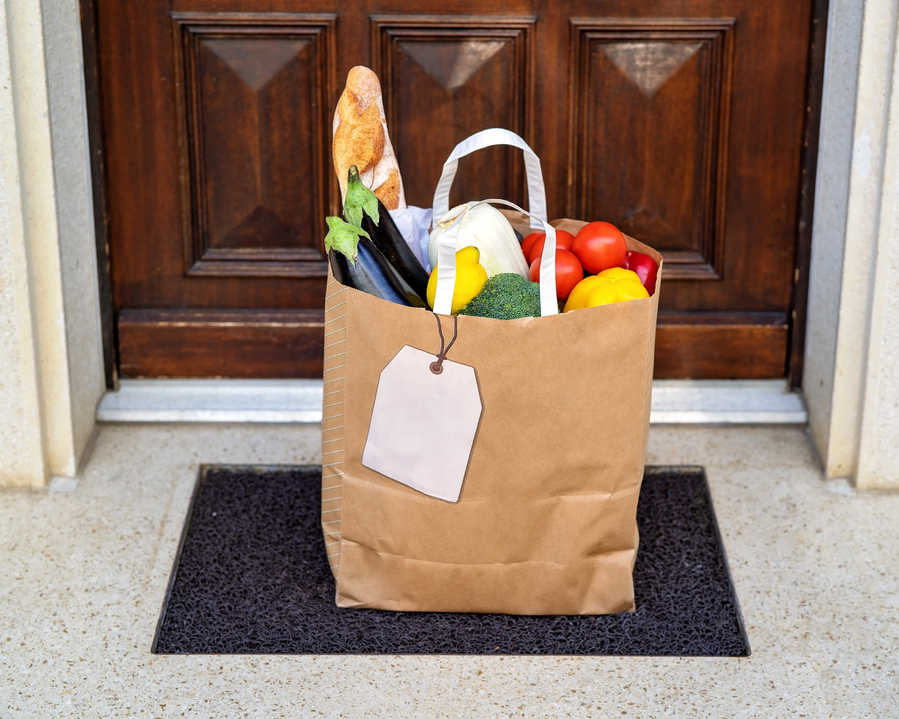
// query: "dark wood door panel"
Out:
[289,344]
[264,344]
[681,123]
[445,78]
[253,138]
[676,125]
[650,130]
[219,166]
[701,345]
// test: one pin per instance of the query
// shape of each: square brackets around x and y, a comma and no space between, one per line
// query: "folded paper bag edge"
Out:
[488,597]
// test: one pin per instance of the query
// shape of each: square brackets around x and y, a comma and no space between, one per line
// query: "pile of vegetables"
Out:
[594,267]
[496,275]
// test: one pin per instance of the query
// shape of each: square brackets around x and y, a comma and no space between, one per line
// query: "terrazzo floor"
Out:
[83,574]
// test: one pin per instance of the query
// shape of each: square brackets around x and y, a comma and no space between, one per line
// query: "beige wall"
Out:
[851,378]
[21,445]
[878,454]
[50,350]
[50,346]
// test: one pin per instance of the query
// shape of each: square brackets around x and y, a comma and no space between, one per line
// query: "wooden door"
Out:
[679,122]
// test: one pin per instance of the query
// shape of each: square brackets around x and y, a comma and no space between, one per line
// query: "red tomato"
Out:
[563,242]
[528,242]
[568,273]
[599,246]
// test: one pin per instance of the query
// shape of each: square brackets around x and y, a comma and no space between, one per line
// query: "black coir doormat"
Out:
[251,578]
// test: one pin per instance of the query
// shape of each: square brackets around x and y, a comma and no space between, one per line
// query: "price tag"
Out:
[424,421]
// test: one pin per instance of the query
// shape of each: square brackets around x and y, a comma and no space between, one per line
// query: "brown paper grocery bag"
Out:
[546,519]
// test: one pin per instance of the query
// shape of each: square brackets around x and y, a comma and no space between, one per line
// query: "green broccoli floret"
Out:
[505,296]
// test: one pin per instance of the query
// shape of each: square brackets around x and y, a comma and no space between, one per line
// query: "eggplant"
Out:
[357,263]
[365,210]
[386,237]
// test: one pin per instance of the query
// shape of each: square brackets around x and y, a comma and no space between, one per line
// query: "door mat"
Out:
[251,577]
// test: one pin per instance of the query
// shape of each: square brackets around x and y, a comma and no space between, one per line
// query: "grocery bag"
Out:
[543,459]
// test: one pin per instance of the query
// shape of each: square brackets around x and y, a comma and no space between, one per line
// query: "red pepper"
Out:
[645,267]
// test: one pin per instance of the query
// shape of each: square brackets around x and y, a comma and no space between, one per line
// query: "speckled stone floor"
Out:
[83,575]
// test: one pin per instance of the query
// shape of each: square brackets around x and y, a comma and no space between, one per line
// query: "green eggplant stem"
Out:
[359,198]
[343,237]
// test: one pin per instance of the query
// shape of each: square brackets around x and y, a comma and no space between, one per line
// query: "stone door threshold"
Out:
[300,402]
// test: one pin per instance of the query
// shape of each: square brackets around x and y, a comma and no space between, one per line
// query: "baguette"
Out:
[361,139]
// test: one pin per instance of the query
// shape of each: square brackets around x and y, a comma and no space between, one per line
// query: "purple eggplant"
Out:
[363,209]
[357,263]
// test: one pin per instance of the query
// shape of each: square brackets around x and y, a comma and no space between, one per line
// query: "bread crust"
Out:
[360,138]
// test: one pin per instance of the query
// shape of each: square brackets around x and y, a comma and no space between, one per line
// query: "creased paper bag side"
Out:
[334,374]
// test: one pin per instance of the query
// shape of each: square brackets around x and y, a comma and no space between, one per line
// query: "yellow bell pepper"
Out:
[577,300]
[470,278]
[616,285]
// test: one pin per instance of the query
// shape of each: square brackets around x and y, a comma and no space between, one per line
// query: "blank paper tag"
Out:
[423,424]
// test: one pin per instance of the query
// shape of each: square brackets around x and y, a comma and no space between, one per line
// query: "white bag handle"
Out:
[446,263]
[488,138]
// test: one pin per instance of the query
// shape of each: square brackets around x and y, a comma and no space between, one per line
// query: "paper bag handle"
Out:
[488,138]
[446,262]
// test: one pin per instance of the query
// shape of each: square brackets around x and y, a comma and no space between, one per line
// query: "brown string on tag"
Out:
[437,367]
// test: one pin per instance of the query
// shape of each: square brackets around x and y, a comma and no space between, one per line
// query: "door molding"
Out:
[806,209]
[97,166]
